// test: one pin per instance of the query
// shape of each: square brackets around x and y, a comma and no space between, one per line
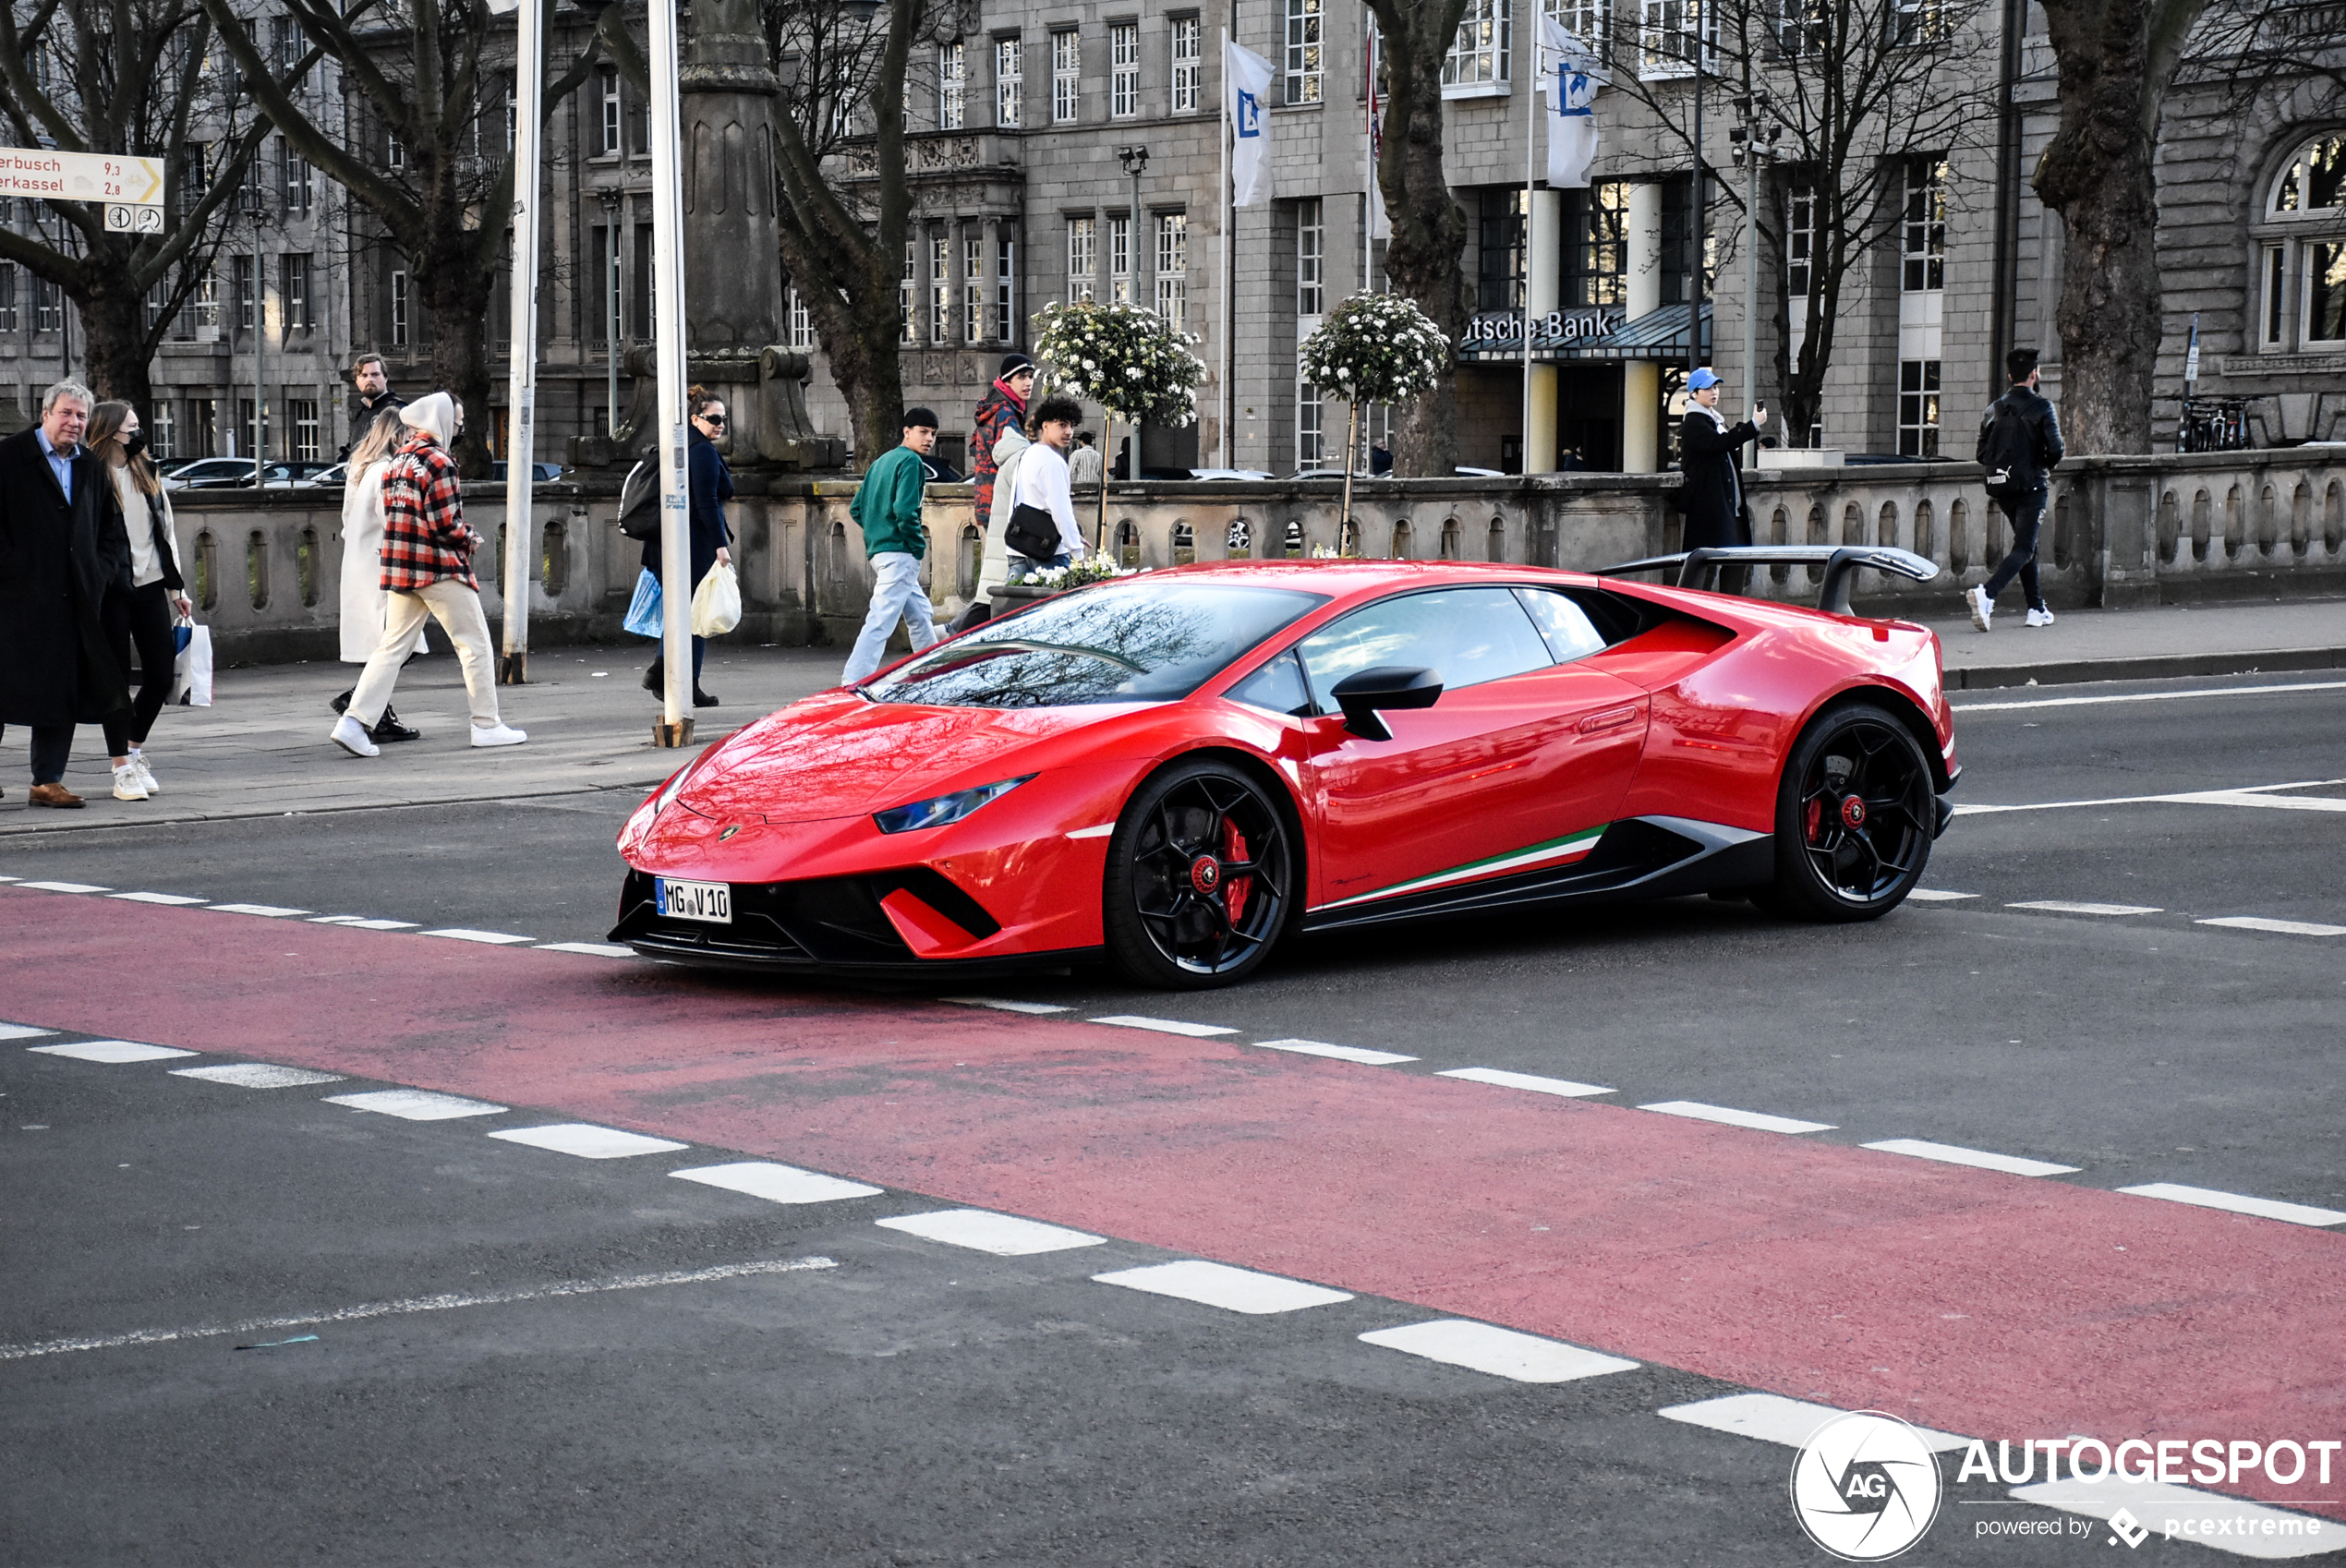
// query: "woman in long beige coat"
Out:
[362,541]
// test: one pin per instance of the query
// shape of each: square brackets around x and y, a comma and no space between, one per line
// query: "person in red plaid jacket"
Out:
[427,570]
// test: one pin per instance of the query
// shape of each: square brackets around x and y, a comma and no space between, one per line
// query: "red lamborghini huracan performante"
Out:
[1181,769]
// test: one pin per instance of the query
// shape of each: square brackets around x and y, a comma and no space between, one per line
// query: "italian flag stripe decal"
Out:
[1555,852]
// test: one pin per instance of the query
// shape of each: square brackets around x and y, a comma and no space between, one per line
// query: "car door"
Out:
[1516,767]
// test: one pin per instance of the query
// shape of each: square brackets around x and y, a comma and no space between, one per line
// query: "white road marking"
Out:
[257,1075]
[271,912]
[416,1105]
[158,898]
[776,1184]
[1535,1083]
[1165,1026]
[65,886]
[2262,1207]
[1218,1285]
[111,1051]
[591,950]
[337,919]
[423,1304]
[2062,906]
[1772,1418]
[2281,928]
[1954,1154]
[1005,1236]
[22,1031]
[1932,895]
[2247,795]
[1503,1353]
[1101,831]
[494,938]
[1753,1119]
[379,925]
[2247,1529]
[589,1142]
[11,879]
[1366,1058]
[998,1004]
[2149,696]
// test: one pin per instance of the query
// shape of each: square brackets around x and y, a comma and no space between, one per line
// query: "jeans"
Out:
[458,610]
[896,593]
[140,618]
[1023,567]
[52,747]
[2028,514]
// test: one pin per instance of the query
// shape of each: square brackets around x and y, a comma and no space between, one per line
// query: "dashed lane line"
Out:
[22,1031]
[2062,906]
[2247,795]
[357,923]
[1004,1235]
[1757,1120]
[1006,1006]
[1502,1353]
[111,1051]
[1502,1078]
[267,911]
[1165,1026]
[1980,1159]
[1364,1056]
[777,1183]
[168,899]
[589,1142]
[591,950]
[257,1075]
[416,1105]
[1220,1284]
[1933,896]
[66,887]
[1772,1418]
[2233,1202]
[449,1302]
[486,938]
[2148,697]
[2278,927]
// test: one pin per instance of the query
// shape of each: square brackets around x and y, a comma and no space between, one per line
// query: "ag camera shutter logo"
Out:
[1866,1487]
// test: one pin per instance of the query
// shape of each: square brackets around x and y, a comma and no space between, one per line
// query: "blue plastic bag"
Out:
[642,612]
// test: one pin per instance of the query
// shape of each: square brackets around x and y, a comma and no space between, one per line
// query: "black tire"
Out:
[1203,877]
[1854,817]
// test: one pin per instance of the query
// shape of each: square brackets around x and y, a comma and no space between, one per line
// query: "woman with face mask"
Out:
[142,590]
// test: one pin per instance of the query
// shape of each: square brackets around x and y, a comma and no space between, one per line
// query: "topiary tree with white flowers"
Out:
[1129,360]
[1373,348]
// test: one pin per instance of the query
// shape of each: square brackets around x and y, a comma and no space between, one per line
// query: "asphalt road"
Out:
[905,1400]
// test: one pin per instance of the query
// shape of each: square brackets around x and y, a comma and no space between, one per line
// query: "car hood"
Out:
[838,755]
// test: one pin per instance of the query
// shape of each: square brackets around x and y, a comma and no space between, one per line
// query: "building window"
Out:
[1478,56]
[940,288]
[1918,408]
[905,288]
[1120,259]
[245,442]
[240,275]
[1922,243]
[399,334]
[1311,258]
[973,287]
[293,178]
[2274,275]
[1008,74]
[1083,256]
[303,412]
[802,323]
[1311,425]
[2324,293]
[2315,180]
[203,308]
[1188,46]
[1665,38]
[952,86]
[1802,28]
[163,433]
[607,140]
[203,426]
[1172,267]
[1924,22]
[1597,251]
[1799,242]
[1005,289]
[1067,77]
[394,152]
[1304,21]
[1590,21]
[2310,187]
[1499,269]
[293,287]
[7,296]
[1124,69]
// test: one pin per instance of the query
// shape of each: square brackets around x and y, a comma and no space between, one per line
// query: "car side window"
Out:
[1465,635]
[1564,624]
[1278,687]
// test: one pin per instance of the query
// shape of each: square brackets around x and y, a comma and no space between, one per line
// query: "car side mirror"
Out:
[1386,686]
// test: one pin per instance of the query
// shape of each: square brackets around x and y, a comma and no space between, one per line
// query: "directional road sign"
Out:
[82,177]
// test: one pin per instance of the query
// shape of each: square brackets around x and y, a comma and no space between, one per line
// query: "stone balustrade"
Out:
[2122,531]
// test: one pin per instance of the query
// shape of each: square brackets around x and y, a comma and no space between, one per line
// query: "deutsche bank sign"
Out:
[1497,334]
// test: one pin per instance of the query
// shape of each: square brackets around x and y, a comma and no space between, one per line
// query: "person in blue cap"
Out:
[1712,495]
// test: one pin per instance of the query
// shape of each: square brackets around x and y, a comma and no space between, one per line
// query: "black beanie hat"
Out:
[1012,363]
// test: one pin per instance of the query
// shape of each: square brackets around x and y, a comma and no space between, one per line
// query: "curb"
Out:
[2150,667]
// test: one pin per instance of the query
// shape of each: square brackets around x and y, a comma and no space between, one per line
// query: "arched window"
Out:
[2301,251]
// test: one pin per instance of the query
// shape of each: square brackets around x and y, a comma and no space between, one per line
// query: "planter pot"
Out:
[1023,594]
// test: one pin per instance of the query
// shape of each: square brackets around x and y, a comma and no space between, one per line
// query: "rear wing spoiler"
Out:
[1699,568]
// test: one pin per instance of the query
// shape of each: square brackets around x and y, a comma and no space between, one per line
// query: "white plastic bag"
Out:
[717,603]
[192,674]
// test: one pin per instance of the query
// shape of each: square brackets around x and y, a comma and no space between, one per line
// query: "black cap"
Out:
[920,417]
[1012,363]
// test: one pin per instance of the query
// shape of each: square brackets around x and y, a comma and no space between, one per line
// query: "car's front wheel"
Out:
[1202,877]
[1854,817]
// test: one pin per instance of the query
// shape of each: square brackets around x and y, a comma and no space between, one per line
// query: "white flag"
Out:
[1571,85]
[1246,92]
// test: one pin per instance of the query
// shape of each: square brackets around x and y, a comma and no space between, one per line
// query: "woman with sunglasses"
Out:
[711,483]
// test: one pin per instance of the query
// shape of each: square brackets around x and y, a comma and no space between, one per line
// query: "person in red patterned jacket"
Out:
[1002,408]
[427,570]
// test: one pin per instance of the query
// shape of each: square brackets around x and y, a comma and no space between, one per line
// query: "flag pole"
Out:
[521,393]
[675,726]
[1229,312]
[1530,126]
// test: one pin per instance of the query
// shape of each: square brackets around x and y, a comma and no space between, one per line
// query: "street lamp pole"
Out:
[521,386]
[1135,160]
[1754,145]
[675,724]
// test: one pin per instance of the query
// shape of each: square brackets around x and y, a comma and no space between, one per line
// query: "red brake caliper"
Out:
[1815,818]
[1234,893]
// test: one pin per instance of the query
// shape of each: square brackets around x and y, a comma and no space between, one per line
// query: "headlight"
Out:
[937,812]
[675,785]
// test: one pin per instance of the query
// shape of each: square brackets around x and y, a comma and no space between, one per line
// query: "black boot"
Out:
[702,699]
[652,678]
[340,702]
[388,729]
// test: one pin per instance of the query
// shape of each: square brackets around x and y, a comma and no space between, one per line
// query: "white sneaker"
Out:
[126,783]
[351,736]
[1981,607]
[498,735]
[146,774]
[2039,616]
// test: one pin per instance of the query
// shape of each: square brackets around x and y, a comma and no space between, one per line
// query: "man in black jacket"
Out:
[55,669]
[1712,495]
[2019,443]
[371,393]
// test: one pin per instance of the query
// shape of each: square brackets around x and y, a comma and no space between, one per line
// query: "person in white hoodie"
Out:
[1042,481]
[364,604]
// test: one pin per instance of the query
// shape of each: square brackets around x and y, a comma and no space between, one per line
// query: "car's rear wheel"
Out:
[1854,816]
[1202,877]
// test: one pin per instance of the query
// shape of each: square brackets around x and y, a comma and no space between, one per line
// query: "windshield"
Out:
[1133,642]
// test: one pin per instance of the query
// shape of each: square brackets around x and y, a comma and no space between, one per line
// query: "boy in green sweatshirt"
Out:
[887,508]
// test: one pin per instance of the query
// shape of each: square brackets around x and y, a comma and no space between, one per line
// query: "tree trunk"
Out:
[2116,59]
[1429,227]
[114,325]
[461,360]
[870,376]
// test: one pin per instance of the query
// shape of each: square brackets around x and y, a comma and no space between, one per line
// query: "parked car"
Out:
[331,479]
[223,472]
[543,472]
[1228,474]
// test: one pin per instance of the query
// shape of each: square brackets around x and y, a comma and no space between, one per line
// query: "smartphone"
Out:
[1761,408]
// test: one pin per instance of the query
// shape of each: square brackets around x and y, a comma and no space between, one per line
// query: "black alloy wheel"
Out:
[1203,876]
[1854,817]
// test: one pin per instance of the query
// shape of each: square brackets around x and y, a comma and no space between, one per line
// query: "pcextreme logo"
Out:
[1865,1486]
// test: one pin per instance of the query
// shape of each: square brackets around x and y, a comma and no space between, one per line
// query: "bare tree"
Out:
[429,77]
[139,78]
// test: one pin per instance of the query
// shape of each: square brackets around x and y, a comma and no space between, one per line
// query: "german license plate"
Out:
[709,903]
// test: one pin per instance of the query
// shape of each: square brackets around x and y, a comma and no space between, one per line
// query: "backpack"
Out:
[639,502]
[2009,453]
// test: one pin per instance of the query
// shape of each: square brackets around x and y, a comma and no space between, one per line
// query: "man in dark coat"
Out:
[1707,455]
[371,393]
[55,669]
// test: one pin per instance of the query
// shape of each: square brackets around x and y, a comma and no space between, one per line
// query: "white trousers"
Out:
[457,609]
[896,595]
